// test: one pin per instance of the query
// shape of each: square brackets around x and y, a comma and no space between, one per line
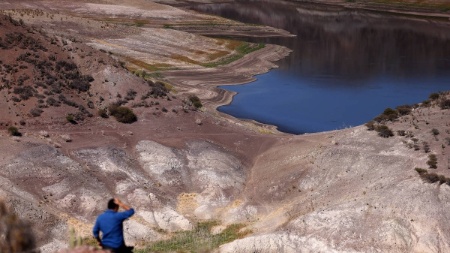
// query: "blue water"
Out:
[345,68]
[313,105]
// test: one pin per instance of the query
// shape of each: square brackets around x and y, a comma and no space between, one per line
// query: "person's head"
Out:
[112,205]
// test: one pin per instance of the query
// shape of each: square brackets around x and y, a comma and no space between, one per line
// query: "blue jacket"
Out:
[110,223]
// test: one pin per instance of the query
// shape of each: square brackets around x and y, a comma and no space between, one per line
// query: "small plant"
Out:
[426,147]
[445,104]
[435,132]
[15,235]
[384,131]
[434,96]
[195,101]
[71,119]
[13,131]
[401,132]
[370,125]
[430,177]
[122,114]
[421,171]
[103,113]
[404,109]
[432,161]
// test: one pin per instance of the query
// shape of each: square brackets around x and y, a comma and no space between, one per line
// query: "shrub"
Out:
[13,131]
[434,96]
[195,101]
[122,114]
[36,112]
[70,118]
[435,132]
[421,171]
[432,161]
[370,125]
[430,177]
[426,147]
[404,109]
[158,89]
[401,132]
[131,94]
[15,235]
[391,114]
[445,104]
[384,131]
[103,113]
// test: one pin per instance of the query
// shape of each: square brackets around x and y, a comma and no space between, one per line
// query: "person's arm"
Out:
[121,205]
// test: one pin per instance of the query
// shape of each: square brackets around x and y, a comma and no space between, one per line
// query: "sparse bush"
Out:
[434,96]
[445,104]
[421,171]
[401,132]
[432,161]
[15,235]
[158,89]
[36,112]
[103,113]
[391,114]
[13,131]
[122,114]
[430,177]
[404,109]
[131,94]
[426,147]
[70,118]
[435,132]
[370,125]
[195,101]
[384,131]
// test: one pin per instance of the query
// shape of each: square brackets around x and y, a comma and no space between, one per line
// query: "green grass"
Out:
[241,50]
[198,240]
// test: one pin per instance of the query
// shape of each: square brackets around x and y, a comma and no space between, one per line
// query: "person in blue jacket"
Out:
[110,224]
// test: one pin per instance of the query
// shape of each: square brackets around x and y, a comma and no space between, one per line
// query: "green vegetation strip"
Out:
[198,240]
[241,50]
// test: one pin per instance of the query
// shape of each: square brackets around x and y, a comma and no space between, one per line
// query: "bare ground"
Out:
[339,191]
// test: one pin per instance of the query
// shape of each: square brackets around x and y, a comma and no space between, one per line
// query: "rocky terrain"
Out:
[178,164]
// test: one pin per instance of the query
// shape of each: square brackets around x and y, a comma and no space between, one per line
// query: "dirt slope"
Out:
[340,191]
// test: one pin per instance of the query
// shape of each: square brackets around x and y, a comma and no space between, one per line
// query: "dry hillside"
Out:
[374,188]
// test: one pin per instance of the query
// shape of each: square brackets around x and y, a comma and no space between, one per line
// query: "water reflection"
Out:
[352,45]
[342,60]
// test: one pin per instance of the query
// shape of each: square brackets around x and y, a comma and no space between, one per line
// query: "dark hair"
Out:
[112,205]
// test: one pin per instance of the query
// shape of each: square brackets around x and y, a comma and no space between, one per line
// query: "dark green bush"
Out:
[404,109]
[432,161]
[71,119]
[122,114]
[370,125]
[195,101]
[36,112]
[391,114]
[445,104]
[430,177]
[434,96]
[401,132]
[426,147]
[14,131]
[384,131]
[103,113]
[421,171]
[435,132]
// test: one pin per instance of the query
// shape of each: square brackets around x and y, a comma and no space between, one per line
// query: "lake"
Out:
[346,67]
